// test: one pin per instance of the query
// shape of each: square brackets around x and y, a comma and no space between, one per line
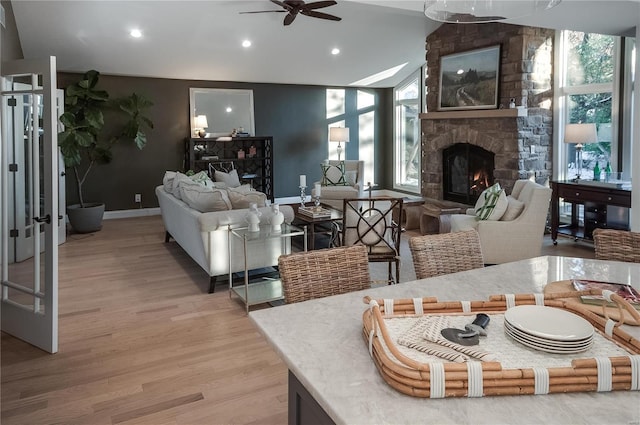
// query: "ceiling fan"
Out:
[294,7]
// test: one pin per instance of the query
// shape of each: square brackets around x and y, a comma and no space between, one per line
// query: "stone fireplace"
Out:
[520,139]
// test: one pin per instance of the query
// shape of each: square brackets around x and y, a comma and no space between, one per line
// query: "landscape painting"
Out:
[469,80]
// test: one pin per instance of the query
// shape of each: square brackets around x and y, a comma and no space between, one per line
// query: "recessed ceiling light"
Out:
[136,33]
[246,43]
[229,109]
[335,51]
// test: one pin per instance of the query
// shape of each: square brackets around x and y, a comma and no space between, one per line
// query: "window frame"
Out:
[620,143]
[398,141]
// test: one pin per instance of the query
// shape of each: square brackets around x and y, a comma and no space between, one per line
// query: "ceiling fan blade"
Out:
[289,18]
[281,4]
[319,5]
[264,11]
[320,15]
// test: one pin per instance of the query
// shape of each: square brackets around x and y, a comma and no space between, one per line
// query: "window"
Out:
[407,107]
[355,110]
[589,75]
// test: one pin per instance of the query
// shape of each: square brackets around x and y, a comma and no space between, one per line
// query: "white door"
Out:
[29,300]
[21,203]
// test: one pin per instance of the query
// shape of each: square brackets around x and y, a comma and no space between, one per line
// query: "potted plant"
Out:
[83,147]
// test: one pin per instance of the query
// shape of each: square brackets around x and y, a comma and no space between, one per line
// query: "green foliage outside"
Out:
[590,61]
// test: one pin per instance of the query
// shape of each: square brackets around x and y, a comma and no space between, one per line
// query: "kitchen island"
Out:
[334,380]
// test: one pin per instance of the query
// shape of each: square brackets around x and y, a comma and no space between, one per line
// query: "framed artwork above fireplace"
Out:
[469,80]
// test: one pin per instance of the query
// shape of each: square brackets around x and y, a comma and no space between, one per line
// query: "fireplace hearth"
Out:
[467,170]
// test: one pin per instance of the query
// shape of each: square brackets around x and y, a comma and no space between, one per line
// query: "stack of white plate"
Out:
[548,329]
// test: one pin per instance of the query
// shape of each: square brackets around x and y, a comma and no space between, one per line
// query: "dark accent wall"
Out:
[11,47]
[294,115]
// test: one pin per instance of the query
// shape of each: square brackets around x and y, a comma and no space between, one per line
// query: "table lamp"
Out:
[200,124]
[339,134]
[579,134]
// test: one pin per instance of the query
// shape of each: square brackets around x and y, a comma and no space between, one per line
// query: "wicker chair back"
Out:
[435,255]
[324,272]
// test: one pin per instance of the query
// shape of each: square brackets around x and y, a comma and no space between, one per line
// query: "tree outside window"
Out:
[590,69]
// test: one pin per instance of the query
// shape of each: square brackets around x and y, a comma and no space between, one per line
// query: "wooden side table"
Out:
[436,216]
[412,211]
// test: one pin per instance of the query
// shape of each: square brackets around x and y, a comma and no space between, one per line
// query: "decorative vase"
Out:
[277,218]
[253,218]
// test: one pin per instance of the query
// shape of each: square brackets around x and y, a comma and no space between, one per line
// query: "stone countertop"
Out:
[321,343]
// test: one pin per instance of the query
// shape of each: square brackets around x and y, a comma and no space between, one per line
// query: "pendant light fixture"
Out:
[482,11]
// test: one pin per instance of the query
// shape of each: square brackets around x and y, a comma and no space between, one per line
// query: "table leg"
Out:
[312,236]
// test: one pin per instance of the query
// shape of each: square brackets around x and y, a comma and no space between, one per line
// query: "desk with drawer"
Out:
[605,206]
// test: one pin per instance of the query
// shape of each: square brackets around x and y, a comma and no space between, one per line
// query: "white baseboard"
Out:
[137,212]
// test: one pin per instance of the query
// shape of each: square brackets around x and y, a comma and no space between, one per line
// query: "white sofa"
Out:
[204,236]
[504,241]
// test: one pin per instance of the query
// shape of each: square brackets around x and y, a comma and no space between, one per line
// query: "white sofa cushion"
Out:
[514,209]
[231,178]
[463,222]
[167,180]
[205,199]
[241,199]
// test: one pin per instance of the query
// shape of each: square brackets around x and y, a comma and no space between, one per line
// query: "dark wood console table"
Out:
[605,206]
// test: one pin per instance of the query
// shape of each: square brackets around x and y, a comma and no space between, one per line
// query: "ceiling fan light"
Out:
[482,11]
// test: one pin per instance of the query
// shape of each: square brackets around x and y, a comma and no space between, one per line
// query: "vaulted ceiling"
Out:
[201,40]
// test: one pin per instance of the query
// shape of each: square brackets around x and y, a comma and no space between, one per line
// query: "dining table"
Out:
[333,378]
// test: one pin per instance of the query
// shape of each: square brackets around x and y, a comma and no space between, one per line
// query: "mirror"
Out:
[224,109]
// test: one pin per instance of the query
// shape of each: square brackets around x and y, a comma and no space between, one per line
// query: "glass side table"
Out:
[267,289]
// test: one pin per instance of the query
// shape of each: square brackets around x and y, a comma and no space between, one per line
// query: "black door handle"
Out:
[46,219]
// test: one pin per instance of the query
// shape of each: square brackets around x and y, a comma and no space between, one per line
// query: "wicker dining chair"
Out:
[435,255]
[617,245]
[324,272]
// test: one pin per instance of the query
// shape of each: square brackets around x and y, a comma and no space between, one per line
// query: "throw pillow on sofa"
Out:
[205,199]
[231,178]
[178,180]
[203,178]
[241,199]
[491,204]
[167,181]
[333,175]
[514,209]
[351,177]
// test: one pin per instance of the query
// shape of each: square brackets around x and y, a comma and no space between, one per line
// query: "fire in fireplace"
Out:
[467,171]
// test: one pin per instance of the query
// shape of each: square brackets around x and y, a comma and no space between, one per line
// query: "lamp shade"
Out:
[338,134]
[201,121]
[580,133]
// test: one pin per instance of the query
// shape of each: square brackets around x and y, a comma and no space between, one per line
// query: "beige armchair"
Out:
[334,195]
[503,240]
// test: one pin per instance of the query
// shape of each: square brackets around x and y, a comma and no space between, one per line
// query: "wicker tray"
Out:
[439,378]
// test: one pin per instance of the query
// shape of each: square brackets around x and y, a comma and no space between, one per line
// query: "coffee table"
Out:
[320,224]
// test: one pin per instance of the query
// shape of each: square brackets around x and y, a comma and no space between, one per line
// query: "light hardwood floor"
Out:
[141,342]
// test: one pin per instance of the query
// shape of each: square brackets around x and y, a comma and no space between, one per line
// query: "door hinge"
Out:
[13,168]
[12,101]
[13,233]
